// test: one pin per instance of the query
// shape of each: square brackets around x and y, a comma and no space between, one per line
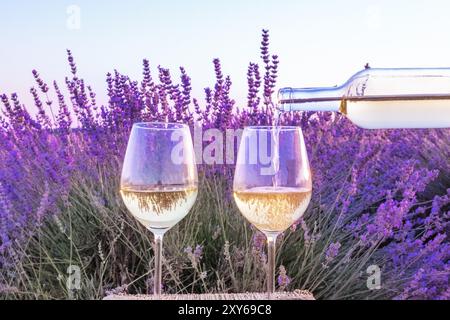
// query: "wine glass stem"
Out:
[271,254]
[158,264]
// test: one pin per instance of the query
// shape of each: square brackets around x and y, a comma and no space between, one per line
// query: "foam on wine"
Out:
[159,207]
[272,209]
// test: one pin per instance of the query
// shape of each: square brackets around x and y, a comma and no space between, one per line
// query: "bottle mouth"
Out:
[284,94]
[310,99]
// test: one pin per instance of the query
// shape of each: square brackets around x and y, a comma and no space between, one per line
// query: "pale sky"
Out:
[319,43]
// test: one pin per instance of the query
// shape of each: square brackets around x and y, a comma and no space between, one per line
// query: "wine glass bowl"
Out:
[272,183]
[159,179]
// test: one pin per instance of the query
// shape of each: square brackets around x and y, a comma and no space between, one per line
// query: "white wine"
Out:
[159,207]
[407,112]
[386,112]
[276,153]
[381,98]
[272,209]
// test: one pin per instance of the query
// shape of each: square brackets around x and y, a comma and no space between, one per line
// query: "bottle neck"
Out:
[311,99]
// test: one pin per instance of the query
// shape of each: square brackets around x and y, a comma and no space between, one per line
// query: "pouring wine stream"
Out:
[276,148]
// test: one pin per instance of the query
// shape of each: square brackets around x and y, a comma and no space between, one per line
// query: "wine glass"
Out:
[272,182]
[159,180]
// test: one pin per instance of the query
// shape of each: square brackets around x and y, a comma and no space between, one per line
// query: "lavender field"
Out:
[381,198]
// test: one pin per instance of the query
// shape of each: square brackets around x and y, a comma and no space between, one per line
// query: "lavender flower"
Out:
[332,252]
[198,252]
[283,280]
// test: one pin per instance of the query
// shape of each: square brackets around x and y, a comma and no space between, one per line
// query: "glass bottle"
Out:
[381,98]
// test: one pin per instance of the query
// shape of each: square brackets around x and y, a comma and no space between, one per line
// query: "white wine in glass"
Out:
[272,209]
[272,182]
[159,180]
[159,207]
